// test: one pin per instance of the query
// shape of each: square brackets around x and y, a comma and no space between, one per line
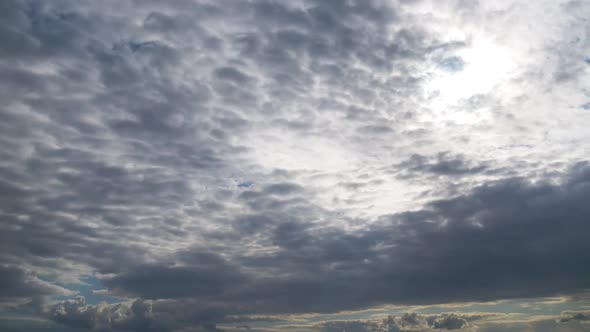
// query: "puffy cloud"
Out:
[135,316]
[142,315]
[449,322]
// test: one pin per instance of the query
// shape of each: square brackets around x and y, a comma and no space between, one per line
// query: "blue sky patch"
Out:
[452,64]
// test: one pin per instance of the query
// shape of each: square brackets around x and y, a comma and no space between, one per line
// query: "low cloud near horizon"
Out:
[308,165]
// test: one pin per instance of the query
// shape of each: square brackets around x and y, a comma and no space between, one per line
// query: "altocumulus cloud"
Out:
[211,163]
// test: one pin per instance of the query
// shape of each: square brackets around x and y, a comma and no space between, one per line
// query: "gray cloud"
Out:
[208,281]
[442,164]
[450,322]
[573,316]
[142,315]
[242,158]
[16,282]
[444,253]
[405,322]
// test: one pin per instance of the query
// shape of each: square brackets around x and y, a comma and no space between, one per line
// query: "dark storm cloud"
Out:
[539,225]
[447,252]
[204,281]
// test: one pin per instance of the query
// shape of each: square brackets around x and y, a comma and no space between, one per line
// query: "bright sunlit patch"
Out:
[473,71]
[293,152]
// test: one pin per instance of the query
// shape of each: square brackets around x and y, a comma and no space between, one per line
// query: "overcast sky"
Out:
[295,165]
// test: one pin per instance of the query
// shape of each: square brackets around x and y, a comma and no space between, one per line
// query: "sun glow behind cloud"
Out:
[486,66]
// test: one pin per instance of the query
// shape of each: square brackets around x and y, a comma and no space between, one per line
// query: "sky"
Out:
[300,165]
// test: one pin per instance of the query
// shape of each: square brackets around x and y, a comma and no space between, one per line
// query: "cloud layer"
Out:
[199,161]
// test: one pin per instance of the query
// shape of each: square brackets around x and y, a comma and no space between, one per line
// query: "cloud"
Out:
[449,322]
[205,281]
[221,158]
[573,316]
[406,322]
[442,164]
[141,315]
[17,283]
[446,252]
[135,316]
[454,321]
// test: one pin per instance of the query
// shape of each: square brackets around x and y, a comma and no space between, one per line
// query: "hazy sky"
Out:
[296,165]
